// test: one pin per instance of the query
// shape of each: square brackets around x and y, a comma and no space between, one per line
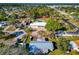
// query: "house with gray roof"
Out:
[36,47]
[64,33]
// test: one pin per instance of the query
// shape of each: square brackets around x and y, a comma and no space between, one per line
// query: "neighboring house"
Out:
[74,45]
[40,46]
[18,33]
[10,29]
[3,23]
[64,33]
[36,25]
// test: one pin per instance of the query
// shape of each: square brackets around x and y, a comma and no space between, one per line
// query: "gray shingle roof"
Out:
[43,45]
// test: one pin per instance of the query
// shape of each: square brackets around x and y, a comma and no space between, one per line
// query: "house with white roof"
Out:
[37,25]
[2,23]
[64,33]
[74,45]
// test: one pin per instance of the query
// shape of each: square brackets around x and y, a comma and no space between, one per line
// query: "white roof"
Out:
[40,39]
[74,46]
[0,25]
[38,24]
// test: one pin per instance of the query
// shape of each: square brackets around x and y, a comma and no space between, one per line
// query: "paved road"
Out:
[73,25]
[66,14]
[63,13]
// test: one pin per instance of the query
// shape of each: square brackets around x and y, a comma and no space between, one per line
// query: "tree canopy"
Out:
[52,24]
[56,52]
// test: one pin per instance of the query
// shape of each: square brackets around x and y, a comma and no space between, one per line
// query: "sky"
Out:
[39,1]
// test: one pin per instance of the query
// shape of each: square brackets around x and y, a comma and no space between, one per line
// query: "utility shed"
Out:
[44,46]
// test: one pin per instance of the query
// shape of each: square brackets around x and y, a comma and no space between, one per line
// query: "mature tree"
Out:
[12,18]
[73,52]
[2,16]
[52,24]
[28,39]
[62,44]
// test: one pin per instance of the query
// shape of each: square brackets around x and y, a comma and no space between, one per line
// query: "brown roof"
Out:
[77,42]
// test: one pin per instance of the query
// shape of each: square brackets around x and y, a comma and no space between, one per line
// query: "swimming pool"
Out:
[18,33]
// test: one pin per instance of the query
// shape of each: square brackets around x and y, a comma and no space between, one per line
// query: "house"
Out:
[36,25]
[74,45]
[2,23]
[40,46]
[64,33]
[10,29]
